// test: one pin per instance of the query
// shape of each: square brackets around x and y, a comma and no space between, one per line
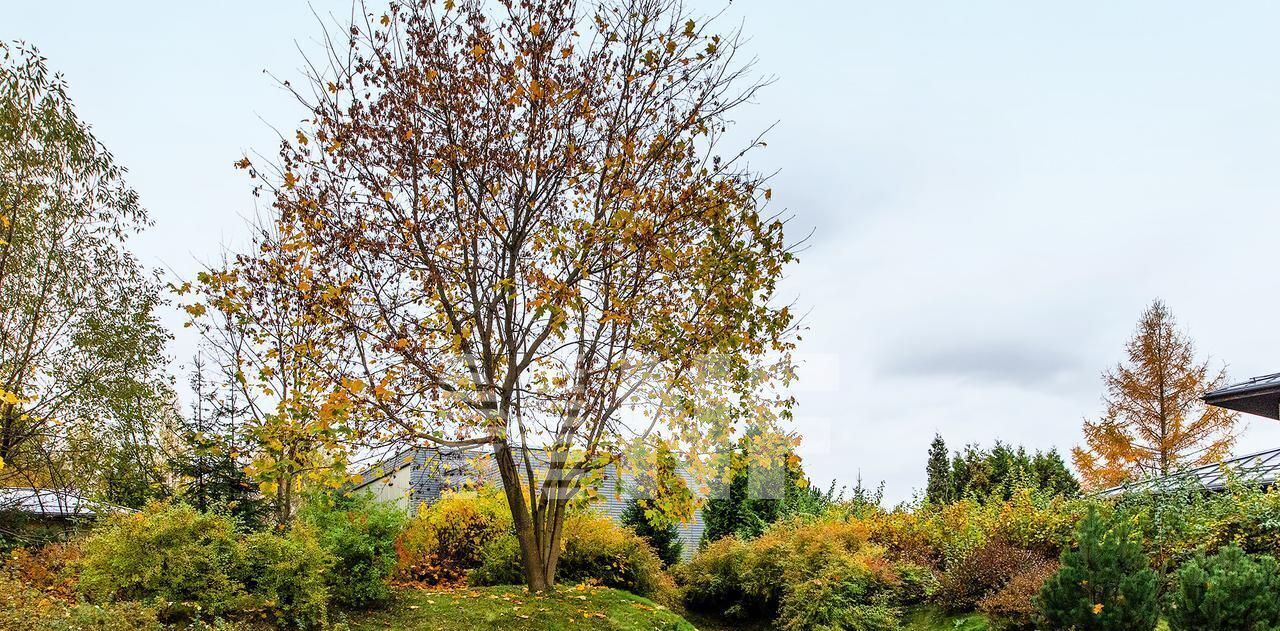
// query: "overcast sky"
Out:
[996,189]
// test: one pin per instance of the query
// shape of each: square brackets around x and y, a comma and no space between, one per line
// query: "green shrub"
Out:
[1104,584]
[804,573]
[982,572]
[664,538]
[287,575]
[844,594]
[713,579]
[180,560]
[499,563]
[596,550]
[1228,591]
[445,540]
[360,533]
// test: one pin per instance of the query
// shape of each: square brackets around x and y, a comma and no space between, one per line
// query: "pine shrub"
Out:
[1104,584]
[1230,591]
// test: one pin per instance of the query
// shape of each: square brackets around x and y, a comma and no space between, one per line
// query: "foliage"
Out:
[596,550]
[82,388]
[213,440]
[1105,583]
[1227,591]
[1155,420]
[803,573]
[757,496]
[982,572]
[1012,607]
[360,533]
[938,489]
[664,539]
[273,353]
[185,562]
[288,576]
[581,608]
[511,270]
[445,540]
[22,607]
[51,569]
[1001,471]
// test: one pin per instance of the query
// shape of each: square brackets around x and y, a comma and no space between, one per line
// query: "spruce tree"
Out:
[663,537]
[938,490]
[1104,584]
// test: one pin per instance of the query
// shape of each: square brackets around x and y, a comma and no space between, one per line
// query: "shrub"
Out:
[22,607]
[446,539]
[663,538]
[287,575]
[360,533]
[50,569]
[1228,591]
[596,550]
[1012,608]
[713,579]
[173,557]
[982,572]
[804,573]
[843,595]
[1104,584]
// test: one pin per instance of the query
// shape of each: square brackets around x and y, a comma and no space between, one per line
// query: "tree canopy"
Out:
[1155,420]
[525,223]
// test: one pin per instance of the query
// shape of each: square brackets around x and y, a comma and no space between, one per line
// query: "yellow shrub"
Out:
[444,540]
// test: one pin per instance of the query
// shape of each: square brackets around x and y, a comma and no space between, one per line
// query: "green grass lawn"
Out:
[931,619]
[514,609]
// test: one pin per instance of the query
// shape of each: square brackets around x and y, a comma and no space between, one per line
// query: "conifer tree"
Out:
[938,490]
[1104,584]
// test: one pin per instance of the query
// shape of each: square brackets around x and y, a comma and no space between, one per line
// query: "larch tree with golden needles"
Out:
[523,216]
[1155,421]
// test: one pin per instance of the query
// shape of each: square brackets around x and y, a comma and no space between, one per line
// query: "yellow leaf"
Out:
[536,29]
[448,5]
[195,310]
[386,19]
[302,138]
[290,180]
[478,51]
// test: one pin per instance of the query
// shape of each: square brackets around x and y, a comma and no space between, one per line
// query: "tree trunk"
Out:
[539,538]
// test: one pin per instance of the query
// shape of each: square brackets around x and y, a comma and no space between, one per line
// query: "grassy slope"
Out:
[513,609]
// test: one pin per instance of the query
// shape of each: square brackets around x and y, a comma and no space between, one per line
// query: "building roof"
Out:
[1260,396]
[51,503]
[1261,468]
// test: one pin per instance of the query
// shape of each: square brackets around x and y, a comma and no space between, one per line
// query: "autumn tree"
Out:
[271,349]
[1155,420]
[524,216]
[81,353]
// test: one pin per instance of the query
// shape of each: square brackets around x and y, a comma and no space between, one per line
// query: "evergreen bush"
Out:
[1104,584]
[1230,591]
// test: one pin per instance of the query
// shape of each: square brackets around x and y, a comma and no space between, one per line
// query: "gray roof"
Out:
[1259,396]
[1261,468]
[52,503]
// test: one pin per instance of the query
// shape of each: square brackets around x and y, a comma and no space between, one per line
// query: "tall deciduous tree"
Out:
[1155,420]
[521,213]
[279,356]
[81,354]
